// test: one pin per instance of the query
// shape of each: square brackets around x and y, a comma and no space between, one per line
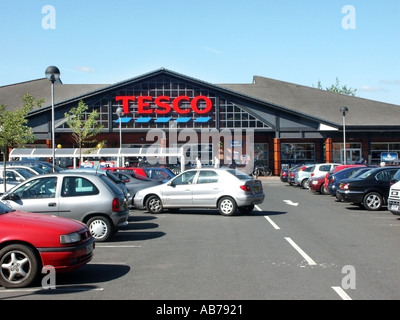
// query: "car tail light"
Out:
[115,205]
[345,186]
[245,187]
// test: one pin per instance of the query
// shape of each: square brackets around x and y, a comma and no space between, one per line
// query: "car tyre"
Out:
[19,266]
[246,209]
[154,204]
[100,228]
[373,201]
[305,184]
[227,206]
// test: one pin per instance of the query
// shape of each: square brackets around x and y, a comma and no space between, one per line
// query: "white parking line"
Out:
[58,288]
[271,222]
[310,261]
[257,207]
[116,246]
[342,293]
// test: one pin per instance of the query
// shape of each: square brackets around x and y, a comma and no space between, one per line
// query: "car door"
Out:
[206,189]
[178,192]
[38,195]
[77,194]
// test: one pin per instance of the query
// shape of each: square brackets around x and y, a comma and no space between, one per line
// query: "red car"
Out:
[317,184]
[31,241]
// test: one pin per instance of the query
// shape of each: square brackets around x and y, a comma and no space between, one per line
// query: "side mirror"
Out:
[12,197]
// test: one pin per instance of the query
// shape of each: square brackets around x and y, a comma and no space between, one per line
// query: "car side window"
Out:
[184,178]
[207,177]
[77,187]
[38,189]
[325,168]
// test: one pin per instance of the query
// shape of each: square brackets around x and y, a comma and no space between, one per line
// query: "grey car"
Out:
[303,175]
[216,188]
[88,197]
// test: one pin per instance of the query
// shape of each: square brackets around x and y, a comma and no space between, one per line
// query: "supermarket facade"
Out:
[268,121]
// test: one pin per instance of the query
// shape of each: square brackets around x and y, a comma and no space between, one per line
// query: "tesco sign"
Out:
[165,104]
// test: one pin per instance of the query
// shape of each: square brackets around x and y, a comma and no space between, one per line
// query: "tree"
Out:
[338,88]
[84,126]
[14,132]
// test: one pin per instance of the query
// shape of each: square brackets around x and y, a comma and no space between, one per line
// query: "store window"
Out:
[386,147]
[261,154]
[292,153]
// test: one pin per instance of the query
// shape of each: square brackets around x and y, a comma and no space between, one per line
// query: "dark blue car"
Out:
[334,178]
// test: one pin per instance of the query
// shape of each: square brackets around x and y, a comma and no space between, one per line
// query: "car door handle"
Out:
[52,204]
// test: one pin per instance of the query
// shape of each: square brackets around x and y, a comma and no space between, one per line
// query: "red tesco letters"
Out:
[164,105]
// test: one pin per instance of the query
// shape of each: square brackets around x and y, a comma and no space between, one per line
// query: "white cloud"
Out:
[85,69]
[392,82]
[366,88]
[209,49]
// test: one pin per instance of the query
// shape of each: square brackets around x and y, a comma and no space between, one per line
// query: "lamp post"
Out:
[344,110]
[119,113]
[53,74]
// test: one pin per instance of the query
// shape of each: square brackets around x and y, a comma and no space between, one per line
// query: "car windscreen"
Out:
[4,208]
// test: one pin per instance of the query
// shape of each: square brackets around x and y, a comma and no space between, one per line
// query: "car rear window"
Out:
[239,174]
[111,184]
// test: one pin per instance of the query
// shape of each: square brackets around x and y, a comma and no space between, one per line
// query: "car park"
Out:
[227,190]
[369,190]
[303,175]
[91,198]
[30,241]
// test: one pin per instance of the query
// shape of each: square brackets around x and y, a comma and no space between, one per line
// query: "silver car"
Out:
[224,189]
[88,197]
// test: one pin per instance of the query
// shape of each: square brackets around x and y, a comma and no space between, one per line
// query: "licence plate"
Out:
[256,188]
[393,207]
[89,248]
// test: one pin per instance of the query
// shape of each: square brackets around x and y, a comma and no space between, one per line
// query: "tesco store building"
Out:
[269,122]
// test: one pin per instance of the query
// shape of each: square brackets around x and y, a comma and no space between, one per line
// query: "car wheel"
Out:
[246,209]
[19,266]
[227,206]
[373,201]
[154,204]
[100,228]
[305,184]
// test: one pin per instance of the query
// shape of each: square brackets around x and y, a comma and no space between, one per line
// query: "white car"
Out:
[321,169]
[394,199]
[227,190]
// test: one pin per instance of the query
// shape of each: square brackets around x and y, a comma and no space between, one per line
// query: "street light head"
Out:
[119,112]
[344,110]
[52,73]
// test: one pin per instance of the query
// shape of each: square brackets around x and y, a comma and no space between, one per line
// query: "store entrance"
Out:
[352,156]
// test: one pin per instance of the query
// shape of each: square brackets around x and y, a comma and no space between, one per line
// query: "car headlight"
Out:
[70,238]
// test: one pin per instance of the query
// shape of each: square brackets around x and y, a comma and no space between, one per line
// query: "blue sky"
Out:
[219,41]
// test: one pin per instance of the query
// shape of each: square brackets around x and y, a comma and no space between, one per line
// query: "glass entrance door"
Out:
[352,156]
